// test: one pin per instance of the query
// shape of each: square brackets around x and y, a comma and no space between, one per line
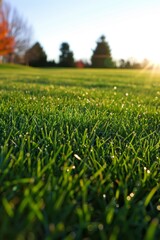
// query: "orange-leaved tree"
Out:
[15,33]
[6,41]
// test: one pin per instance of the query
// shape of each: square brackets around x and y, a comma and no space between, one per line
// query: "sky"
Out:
[131,27]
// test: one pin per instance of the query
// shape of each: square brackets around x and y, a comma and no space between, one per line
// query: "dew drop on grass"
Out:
[51,227]
[90,228]
[128,198]
[158,208]
[100,226]
[147,170]
[104,195]
[14,188]
[131,194]
[77,157]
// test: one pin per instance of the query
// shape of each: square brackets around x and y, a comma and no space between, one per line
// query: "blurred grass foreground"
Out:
[79,154]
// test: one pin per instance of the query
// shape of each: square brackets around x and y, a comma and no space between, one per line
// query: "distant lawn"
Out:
[11,66]
[80,154]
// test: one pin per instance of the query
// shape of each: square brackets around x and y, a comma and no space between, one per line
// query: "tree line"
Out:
[15,36]
[101,58]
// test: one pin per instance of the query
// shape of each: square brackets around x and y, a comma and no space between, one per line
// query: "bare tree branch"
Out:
[18,28]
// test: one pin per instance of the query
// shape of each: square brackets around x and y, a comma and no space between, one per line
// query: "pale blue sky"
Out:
[131,27]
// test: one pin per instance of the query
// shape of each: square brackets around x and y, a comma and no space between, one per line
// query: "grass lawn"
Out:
[79,154]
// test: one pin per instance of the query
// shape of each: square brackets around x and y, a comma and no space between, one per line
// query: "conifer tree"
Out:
[35,56]
[101,57]
[66,58]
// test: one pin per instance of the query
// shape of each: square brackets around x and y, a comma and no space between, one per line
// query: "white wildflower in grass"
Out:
[77,157]
[126,94]
[115,88]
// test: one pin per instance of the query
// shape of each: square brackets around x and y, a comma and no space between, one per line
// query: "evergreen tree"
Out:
[35,56]
[101,57]
[66,58]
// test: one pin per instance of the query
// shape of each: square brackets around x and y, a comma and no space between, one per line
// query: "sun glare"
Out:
[155,65]
[153,62]
[156,60]
[155,56]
